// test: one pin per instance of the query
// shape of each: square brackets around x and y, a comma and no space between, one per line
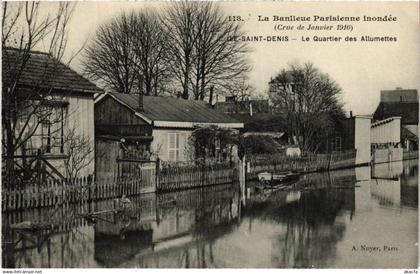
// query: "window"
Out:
[173,146]
[52,131]
[217,149]
[336,144]
[46,136]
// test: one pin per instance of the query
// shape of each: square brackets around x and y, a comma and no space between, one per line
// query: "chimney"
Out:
[211,96]
[140,106]
[351,114]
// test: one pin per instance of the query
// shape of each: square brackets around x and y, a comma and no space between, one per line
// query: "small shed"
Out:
[132,127]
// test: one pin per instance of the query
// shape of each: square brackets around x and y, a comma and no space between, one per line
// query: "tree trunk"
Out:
[186,79]
[203,81]
[155,84]
[10,151]
[197,88]
[148,85]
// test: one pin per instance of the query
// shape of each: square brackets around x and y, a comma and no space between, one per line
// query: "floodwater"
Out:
[354,218]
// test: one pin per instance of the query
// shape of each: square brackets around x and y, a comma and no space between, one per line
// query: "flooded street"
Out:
[354,218]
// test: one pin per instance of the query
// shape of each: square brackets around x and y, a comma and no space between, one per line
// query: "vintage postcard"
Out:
[186,134]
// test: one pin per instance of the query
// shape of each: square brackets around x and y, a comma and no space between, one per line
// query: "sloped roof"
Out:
[41,70]
[261,122]
[407,134]
[409,112]
[170,109]
[399,95]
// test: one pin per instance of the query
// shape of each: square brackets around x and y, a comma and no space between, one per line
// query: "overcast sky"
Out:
[361,69]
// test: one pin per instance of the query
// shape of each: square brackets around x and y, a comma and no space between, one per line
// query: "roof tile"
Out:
[42,71]
[175,110]
[409,112]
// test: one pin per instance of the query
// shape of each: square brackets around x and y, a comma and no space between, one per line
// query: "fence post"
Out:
[242,177]
[329,161]
[157,176]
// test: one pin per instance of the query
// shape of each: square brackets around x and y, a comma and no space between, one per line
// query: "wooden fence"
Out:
[57,192]
[154,178]
[342,160]
[407,155]
[51,193]
[303,164]
[183,177]
[276,163]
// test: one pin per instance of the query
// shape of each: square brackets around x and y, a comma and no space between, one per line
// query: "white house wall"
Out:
[387,155]
[80,117]
[388,131]
[362,139]
[387,191]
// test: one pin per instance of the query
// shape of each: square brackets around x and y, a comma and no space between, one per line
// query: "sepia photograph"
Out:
[209,134]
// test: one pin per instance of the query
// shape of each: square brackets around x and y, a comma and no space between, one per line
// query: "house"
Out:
[401,103]
[248,106]
[278,86]
[54,108]
[386,140]
[264,131]
[132,127]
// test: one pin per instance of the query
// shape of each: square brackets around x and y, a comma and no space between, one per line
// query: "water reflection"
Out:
[301,227]
[315,224]
[395,183]
[180,234]
[409,184]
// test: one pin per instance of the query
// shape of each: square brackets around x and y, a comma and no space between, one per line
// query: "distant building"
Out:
[401,103]
[387,131]
[399,95]
[251,106]
[260,124]
[277,86]
[386,140]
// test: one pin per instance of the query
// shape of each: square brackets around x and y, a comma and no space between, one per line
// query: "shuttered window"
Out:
[217,149]
[173,146]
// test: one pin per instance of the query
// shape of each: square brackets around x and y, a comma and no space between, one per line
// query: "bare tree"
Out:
[128,54]
[203,46]
[25,108]
[310,101]
[240,88]
[220,58]
[190,45]
[179,21]
[110,57]
[79,150]
[151,49]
